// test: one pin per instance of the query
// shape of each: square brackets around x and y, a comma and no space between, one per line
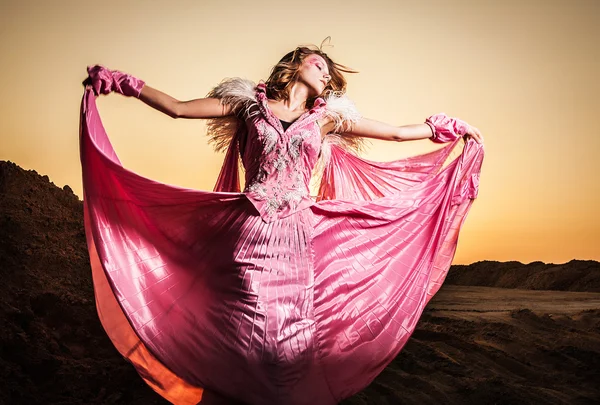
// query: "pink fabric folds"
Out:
[213,304]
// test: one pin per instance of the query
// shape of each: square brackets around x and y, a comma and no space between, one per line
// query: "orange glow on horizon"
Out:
[525,74]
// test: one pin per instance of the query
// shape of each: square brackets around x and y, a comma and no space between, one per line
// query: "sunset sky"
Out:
[524,72]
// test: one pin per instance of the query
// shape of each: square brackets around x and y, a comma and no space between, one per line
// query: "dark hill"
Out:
[576,275]
[53,348]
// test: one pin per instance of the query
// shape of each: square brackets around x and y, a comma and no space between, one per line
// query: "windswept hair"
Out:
[285,73]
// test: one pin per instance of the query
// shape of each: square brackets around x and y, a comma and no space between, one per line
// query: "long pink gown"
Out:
[269,296]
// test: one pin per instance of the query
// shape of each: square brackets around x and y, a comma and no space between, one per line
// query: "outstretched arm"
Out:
[378,130]
[368,128]
[198,108]
[104,81]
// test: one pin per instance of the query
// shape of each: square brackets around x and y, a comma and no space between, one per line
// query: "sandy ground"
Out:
[487,303]
[481,345]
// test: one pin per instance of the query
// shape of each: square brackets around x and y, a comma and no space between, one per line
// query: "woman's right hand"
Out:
[474,133]
[104,81]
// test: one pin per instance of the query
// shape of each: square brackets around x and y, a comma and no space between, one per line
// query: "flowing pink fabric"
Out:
[270,298]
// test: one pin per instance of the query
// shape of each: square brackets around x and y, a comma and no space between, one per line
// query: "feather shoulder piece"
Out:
[341,109]
[344,113]
[240,95]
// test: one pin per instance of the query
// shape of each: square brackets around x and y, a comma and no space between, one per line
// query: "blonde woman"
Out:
[266,295]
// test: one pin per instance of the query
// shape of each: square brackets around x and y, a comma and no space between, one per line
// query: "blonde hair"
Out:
[285,73]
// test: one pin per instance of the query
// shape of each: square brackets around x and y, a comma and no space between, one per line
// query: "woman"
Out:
[269,296]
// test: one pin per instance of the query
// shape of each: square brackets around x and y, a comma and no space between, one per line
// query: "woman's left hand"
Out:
[474,133]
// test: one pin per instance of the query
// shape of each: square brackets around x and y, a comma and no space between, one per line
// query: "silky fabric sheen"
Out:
[218,299]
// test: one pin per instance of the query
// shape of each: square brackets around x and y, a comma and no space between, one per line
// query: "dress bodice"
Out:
[279,163]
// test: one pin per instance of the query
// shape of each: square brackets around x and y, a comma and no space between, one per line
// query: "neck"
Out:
[299,94]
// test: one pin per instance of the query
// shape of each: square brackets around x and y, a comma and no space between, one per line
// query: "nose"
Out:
[327,77]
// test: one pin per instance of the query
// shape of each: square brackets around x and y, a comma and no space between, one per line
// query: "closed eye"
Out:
[320,66]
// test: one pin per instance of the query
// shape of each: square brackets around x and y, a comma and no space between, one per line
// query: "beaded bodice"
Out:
[279,162]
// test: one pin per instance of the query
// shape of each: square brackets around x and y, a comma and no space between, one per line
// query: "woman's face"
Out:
[314,73]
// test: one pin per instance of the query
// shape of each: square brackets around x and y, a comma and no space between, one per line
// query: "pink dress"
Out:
[270,296]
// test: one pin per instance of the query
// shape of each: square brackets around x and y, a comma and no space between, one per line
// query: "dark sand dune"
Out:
[576,275]
[474,345]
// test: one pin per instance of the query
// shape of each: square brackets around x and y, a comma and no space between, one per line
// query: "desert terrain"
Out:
[496,333]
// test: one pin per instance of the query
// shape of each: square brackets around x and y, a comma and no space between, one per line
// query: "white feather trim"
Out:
[236,92]
[342,110]
[344,113]
[240,95]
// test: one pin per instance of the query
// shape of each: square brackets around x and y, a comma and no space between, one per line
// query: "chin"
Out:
[318,90]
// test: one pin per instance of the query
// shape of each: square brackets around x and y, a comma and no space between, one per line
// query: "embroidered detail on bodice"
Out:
[279,162]
[280,180]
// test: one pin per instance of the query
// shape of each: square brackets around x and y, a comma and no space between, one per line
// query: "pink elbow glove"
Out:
[446,129]
[103,81]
